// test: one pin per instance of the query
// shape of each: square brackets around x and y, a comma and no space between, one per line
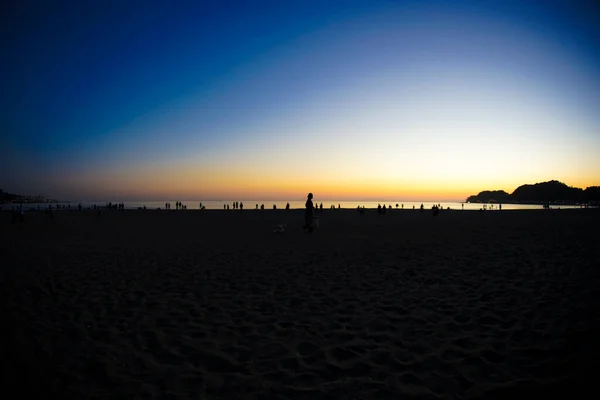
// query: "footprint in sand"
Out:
[340,355]
[214,362]
[306,348]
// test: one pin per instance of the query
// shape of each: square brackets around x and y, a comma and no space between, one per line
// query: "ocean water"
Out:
[280,204]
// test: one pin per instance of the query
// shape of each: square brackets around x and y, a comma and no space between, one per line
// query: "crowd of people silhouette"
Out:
[112,206]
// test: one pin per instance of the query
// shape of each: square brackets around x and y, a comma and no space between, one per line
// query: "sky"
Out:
[374,100]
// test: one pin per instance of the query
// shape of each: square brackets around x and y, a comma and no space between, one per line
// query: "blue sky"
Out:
[404,99]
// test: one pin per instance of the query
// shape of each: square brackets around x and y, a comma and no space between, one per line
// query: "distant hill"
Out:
[490,196]
[592,193]
[544,192]
[17,198]
[547,191]
[9,197]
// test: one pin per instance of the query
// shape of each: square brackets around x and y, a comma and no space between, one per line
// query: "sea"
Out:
[281,204]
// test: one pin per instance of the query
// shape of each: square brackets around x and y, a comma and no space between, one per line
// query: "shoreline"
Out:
[325,210]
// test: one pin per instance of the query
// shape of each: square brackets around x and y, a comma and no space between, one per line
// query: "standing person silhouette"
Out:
[308,213]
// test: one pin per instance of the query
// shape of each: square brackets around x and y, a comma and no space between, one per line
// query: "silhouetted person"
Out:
[422,208]
[274,207]
[308,213]
[257,206]
[379,209]
[383,210]
[262,206]
[241,206]
[287,206]
[321,206]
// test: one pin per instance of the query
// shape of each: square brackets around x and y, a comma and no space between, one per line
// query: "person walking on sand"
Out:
[308,213]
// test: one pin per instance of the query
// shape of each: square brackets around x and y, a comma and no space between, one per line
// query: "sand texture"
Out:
[215,305]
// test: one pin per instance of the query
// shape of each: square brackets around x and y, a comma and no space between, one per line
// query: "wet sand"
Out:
[214,304]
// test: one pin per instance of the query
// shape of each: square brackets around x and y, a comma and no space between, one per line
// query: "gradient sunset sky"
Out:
[382,100]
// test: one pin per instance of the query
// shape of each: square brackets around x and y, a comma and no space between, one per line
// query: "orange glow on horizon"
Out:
[156,183]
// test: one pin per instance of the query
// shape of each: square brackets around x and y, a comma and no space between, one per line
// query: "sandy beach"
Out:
[215,305]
